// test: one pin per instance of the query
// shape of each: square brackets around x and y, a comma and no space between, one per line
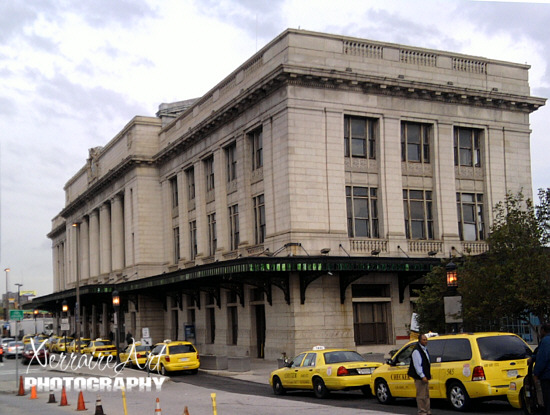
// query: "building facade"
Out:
[299,202]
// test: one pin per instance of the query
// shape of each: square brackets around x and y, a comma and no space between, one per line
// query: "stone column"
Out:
[93,331]
[84,250]
[56,276]
[117,233]
[105,239]
[94,243]
[105,323]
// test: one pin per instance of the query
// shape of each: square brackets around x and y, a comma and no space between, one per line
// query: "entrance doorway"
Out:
[259,313]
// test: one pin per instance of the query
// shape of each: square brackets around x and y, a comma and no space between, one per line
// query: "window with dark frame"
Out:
[417,205]
[256,144]
[190,174]
[211,324]
[193,239]
[467,147]
[415,142]
[259,219]
[212,235]
[360,137]
[234,238]
[471,225]
[209,173]
[232,323]
[231,160]
[174,192]
[362,212]
[176,232]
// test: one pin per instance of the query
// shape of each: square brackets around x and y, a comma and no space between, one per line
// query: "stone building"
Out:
[298,202]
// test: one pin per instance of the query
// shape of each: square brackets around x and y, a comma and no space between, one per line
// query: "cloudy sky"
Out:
[73,73]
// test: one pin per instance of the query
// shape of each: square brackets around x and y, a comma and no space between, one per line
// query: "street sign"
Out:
[16,315]
[65,326]
[145,332]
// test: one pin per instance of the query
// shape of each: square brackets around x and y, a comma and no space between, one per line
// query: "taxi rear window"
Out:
[498,348]
[181,348]
[343,356]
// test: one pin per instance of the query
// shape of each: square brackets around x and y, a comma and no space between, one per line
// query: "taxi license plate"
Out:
[184,359]
[513,373]
[363,371]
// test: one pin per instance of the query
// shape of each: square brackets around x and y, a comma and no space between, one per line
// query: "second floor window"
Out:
[467,147]
[415,142]
[234,227]
[212,236]
[362,212]
[359,137]
[259,219]
[231,159]
[256,143]
[193,239]
[470,216]
[209,173]
[190,173]
[417,205]
[176,244]
[174,192]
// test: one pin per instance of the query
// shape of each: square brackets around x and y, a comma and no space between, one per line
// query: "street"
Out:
[194,391]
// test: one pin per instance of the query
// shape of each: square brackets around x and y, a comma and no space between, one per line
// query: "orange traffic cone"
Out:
[98,406]
[185,411]
[81,406]
[157,409]
[63,397]
[33,392]
[52,398]
[21,387]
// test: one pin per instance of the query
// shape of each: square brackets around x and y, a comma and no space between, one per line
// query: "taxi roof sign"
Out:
[318,347]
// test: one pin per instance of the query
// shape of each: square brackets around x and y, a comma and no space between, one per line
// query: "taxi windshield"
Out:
[343,356]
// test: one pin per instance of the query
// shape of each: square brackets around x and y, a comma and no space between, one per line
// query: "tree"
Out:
[512,279]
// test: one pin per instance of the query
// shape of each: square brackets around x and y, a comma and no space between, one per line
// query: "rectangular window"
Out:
[231,160]
[210,325]
[234,227]
[212,236]
[256,145]
[174,192]
[417,205]
[176,232]
[470,216]
[467,147]
[209,173]
[190,174]
[362,211]
[371,322]
[359,137]
[232,324]
[259,219]
[415,142]
[193,239]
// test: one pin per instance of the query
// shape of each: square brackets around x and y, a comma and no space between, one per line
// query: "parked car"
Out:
[100,347]
[10,351]
[464,367]
[135,355]
[50,345]
[323,370]
[4,342]
[71,348]
[173,356]
[60,346]
[29,355]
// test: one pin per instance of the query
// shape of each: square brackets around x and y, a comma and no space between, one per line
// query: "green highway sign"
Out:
[16,315]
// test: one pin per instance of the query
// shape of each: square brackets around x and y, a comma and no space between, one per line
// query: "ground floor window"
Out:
[371,322]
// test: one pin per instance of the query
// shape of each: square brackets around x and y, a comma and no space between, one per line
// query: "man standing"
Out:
[419,370]
[541,370]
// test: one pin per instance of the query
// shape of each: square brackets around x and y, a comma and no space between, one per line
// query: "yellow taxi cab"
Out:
[60,346]
[100,347]
[324,370]
[464,367]
[172,356]
[27,338]
[135,354]
[71,348]
[51,343]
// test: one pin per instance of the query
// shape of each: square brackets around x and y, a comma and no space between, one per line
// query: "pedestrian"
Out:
[541,371]
[1,355]
[419,370]
[129,339]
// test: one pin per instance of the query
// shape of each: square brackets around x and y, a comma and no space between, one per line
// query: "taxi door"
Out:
[290,375]
[399,382]
[306,371]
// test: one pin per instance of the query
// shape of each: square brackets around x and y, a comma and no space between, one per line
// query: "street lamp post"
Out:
[452,302]
[116,305]
[7,302]
[65,308]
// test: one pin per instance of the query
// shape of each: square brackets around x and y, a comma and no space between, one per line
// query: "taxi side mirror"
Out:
[390,362]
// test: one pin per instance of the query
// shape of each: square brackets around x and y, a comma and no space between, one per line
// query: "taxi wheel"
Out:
[383,393]
[278,388]
[163,371]
[458,397]
[319,388]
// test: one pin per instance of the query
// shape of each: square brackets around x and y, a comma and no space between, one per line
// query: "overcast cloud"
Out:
[73,73]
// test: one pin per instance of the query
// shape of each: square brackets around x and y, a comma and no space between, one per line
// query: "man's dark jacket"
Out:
[425,365]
